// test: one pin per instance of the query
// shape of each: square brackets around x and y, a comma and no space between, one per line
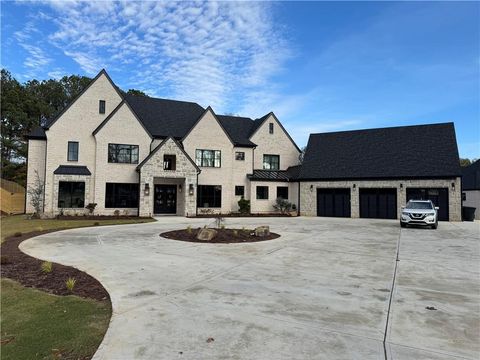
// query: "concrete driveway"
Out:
[321,291]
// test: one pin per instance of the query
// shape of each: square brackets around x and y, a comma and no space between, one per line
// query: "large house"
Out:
[145,156]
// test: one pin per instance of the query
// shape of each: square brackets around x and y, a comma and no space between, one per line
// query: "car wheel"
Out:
[402,224]
[435,226]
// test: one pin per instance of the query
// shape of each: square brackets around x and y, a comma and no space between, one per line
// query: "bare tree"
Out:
[36,194]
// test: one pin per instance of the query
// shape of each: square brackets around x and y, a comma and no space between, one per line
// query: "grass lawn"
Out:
[20,223]
[37,325]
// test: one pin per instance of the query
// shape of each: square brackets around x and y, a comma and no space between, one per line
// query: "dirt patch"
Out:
[224,236]
[27,271]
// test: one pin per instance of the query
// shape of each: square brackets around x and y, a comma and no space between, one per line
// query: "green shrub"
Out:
[17,234]
[70,284]
[116,213]
[47,267]
[189,229]
[222,227]
[91,207]
[244,205]
[282,205]
[235,233]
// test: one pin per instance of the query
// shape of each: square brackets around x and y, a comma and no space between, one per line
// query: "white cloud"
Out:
[214,53]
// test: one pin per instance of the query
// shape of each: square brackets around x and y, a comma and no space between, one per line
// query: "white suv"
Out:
[419,212]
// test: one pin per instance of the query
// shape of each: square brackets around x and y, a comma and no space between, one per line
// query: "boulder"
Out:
[206,234]
[262,231]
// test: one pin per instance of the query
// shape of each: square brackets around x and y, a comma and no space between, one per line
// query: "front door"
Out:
[165,199]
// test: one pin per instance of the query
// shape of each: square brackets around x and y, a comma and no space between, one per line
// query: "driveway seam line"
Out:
[391,295]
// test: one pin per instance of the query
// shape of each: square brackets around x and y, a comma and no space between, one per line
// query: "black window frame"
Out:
[135,160]
[121,195]
[283,188]
[169,159]
[209,191]
[239,190]
[270,157]
[75,152]
[72,187]
[102,105]
[270,128]
[203,161]
[259,194]
[240,155]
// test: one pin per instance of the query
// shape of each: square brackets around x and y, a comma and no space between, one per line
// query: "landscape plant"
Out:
[282,205]
[70,284]
[35,192]
[47,267]
[91,207]
[243,205]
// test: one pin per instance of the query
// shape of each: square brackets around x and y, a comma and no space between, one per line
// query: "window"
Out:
[71,194]
[72,153]
[208,158]
[209,196]
[270,128]
[120,153]
[239,190]
[101,106]
[282,192]
[271,162]
[262,192]
[169,162]
[121,195]
[239,155]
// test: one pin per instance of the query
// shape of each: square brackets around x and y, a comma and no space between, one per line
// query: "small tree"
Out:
[91,207]
[282,205]
[244,205]
[36,194]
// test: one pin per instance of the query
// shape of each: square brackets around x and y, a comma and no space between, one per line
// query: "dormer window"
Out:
[270,128]
[169,162]
[101,106]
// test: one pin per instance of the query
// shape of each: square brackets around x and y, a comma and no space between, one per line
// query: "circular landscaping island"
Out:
[222,235]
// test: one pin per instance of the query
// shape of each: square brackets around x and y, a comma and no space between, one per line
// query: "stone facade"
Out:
[36,164]
[73,178]
[308,193]
[266,205]
[185,175]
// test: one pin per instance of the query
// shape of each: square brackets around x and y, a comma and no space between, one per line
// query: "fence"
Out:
[12,197]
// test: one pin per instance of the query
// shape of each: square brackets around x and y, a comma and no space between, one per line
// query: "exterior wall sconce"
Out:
[401,186]
[311,187]
[354,186]
[453,186]
[180,188]
[146,191]
[190,189]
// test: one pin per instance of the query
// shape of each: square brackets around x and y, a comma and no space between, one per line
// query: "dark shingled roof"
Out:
[290,174]
[471,176]
[164,118]
[422,151]
[72,170]
[38,133]
[239,129]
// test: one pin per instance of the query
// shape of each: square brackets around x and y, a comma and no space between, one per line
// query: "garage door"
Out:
[439,197]
[378,203]
[333,202]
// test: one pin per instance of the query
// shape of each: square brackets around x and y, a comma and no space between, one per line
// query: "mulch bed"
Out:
[27,271]
[224,236]
[98,217]
[238,215]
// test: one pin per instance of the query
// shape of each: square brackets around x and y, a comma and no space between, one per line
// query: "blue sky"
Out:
[320,66]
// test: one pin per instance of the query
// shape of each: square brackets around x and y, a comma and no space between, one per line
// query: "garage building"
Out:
[373,173]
